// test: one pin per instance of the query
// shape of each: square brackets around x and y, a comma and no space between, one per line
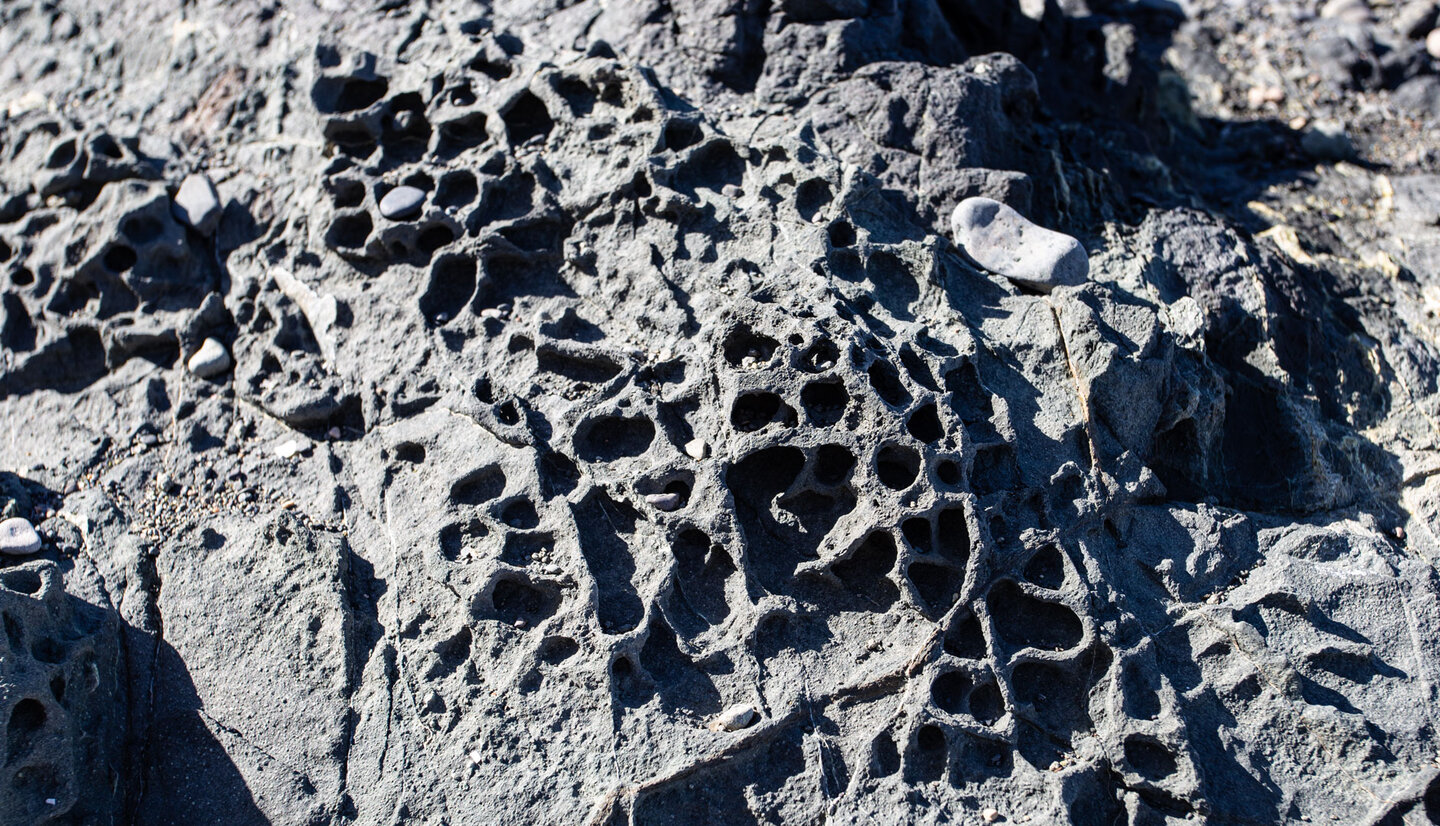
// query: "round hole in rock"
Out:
[821,356]
[62,154]
[457,189]
[141,229]
[796,339]
[681,489]
[1149,759]
[434,238]
[924,424]
[965,639]
[824,402]
[1027,622]
[948,691]
[410,452]
[833,464]
[349,231]
[986,704]
[452,282]
[360,94]
[1046,568]
[20,580]
[27,720]
[527,118]
[520,514]
[948,472]
[346,193]
[614,437]
[897,467]
[930,738]
[479,486]
[917,533]
[556,650]
[5,251]
[119,258]
[842,234]
[746,348]
[753,411]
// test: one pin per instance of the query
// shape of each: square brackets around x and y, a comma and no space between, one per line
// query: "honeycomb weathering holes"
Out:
[615,437]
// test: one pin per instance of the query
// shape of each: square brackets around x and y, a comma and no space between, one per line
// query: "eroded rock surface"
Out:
[610,429]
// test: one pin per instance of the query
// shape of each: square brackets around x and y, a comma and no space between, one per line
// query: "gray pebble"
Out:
[663,501]
[734,718]
[197,205]
[1002,240]
[401,202]
[210,360]
[18,537]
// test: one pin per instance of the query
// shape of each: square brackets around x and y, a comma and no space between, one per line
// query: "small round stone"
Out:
[736,717]
[401,202]
[210,360]
[18,537]
[1432,43]
[1003,241]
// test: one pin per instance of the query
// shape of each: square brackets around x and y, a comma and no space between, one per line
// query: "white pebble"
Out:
[990,815]
[290,448]
[736,717]
[210,360]
[401,202]
[663,501]
[1432,43]
[1003,241]
[18,537]
[696,449]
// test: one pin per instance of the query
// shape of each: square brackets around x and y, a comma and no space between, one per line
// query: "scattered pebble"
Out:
[696,449]
[290,448]
[18,537]
[197,205]
[402,202]
[1432,43]
[1351,11]
[1258,96]
[211,360]
[333,433]
[990,815]
[734,718]
[663,501]
[1002,240]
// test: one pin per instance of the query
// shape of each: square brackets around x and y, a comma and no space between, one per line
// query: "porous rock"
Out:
[1158,546]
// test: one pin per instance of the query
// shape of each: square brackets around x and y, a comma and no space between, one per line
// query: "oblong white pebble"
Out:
[736,717]
[401,202]
[1003,241]
[18,537]
[663,501]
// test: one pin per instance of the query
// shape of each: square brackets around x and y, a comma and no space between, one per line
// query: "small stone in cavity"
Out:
[197,205]
[1003,241]
[734,718]
[663,501]
[401,202]
[695,449]
[18,537]
[290,448]
[210,360]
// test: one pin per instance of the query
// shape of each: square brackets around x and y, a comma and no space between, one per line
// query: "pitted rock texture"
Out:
[609,429]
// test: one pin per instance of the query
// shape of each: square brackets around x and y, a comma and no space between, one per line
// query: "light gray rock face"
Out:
[670,465]
[1003,241]
[197,204]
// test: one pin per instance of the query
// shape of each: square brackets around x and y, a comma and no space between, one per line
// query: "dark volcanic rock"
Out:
[583,412]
